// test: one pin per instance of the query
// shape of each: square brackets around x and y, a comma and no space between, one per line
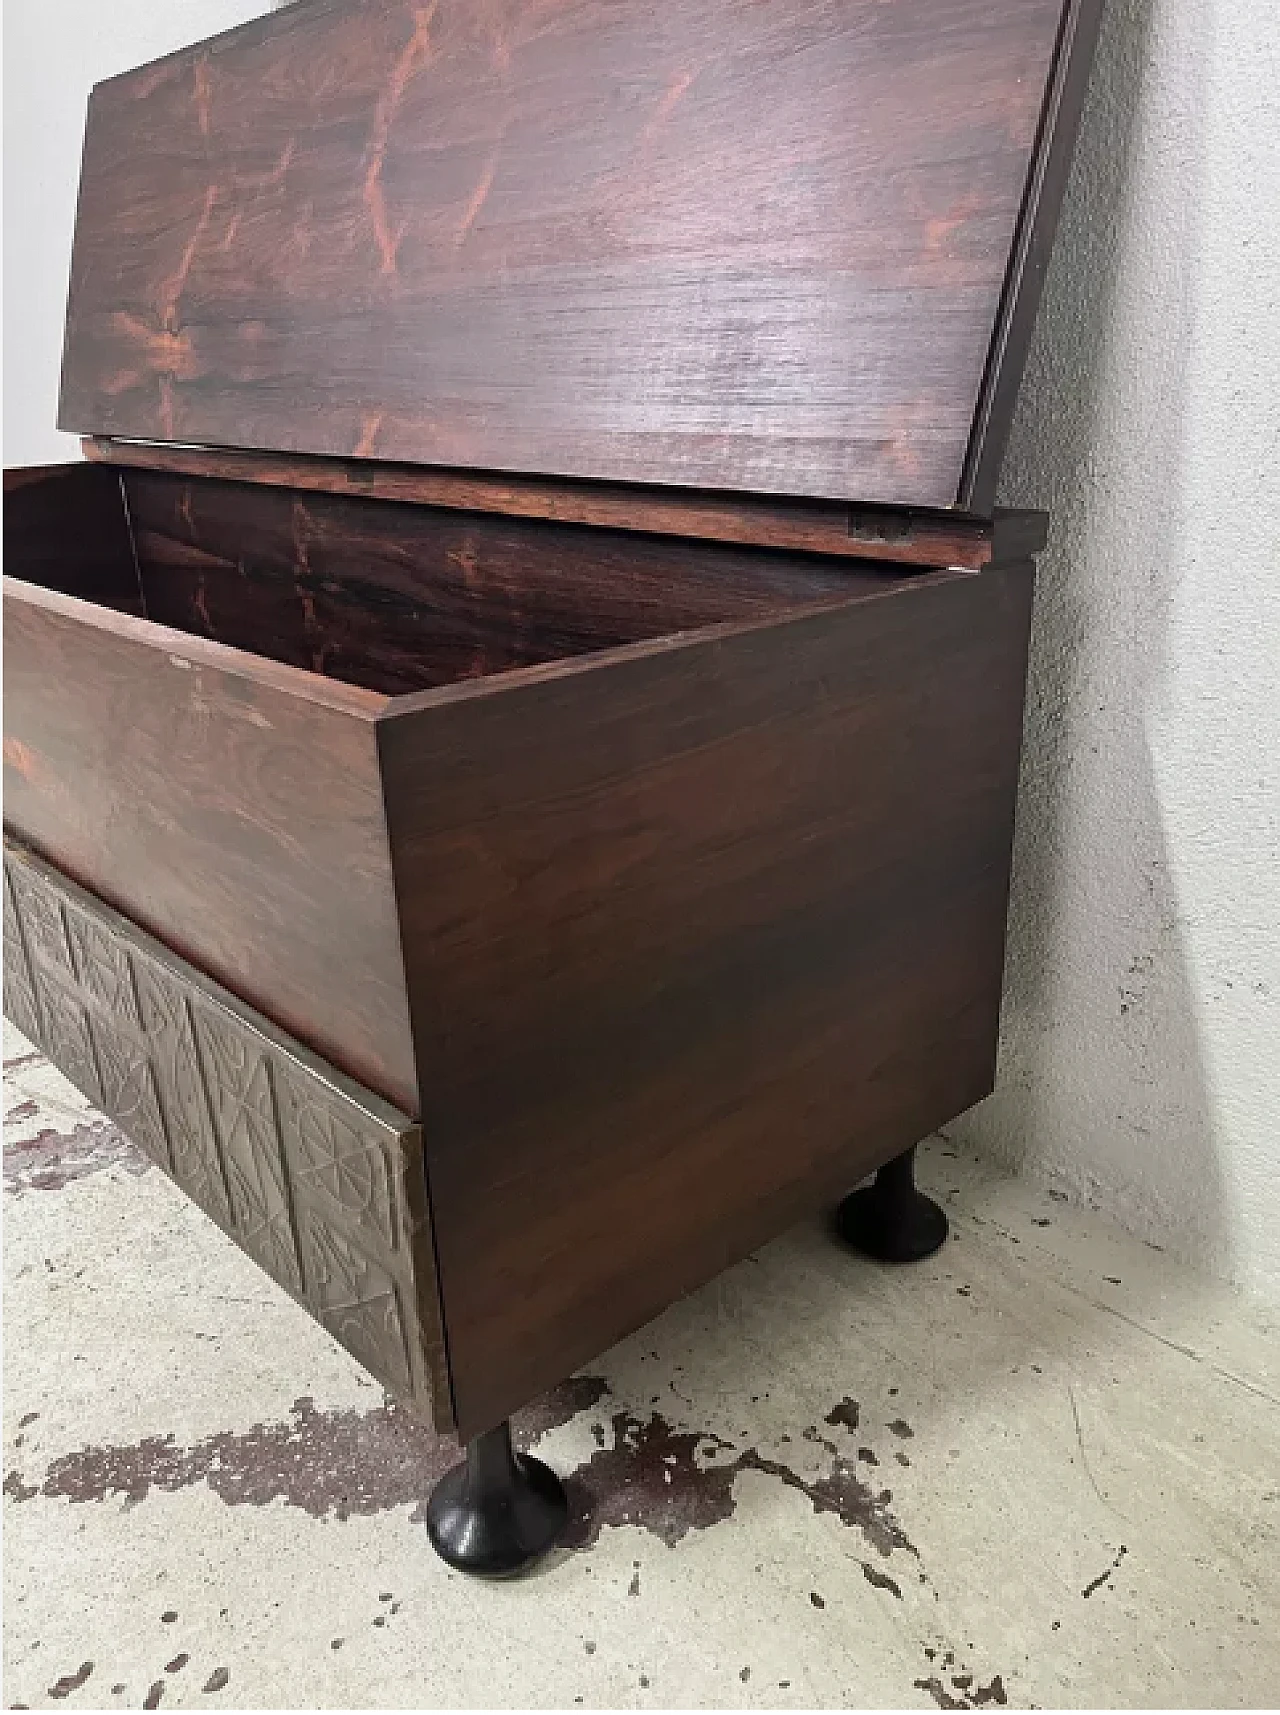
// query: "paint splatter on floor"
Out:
[52,1160]
[671,1481]
[651,1476]
[980,1697]
[881,1580]
[1105,1577]
[343,1464]
[335,1464]
[680,1511]
[70,1681]
[844,1413]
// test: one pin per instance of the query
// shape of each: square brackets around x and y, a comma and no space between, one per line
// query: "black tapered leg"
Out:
[497,1512]
[891,1220]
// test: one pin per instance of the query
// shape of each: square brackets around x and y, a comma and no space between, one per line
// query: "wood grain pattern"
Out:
[400,598]
[732,244]
[65,527]
[888,535]
[316,1179]
[232,807]
[662,944]
[695,935]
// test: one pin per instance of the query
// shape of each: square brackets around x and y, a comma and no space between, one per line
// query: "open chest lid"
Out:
[782,247]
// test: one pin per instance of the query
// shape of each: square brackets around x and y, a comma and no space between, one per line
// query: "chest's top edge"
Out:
[907,536]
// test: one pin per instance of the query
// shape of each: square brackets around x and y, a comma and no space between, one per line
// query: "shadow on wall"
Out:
[1102,1085]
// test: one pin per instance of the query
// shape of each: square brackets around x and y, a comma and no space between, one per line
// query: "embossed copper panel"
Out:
[316,1179]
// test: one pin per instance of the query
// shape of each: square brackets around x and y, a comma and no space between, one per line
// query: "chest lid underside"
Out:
[760,246]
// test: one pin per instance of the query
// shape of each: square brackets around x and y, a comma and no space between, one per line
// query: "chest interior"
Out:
[388,595]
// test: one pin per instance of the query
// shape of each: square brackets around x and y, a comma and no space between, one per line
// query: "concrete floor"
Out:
[1040,1469]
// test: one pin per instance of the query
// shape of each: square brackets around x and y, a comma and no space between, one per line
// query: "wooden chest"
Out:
[512,733]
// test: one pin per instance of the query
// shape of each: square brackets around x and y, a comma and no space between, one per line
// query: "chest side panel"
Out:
[232,810]
[694,940]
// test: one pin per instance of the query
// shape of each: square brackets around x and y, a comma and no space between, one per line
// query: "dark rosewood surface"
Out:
[695,937]
[534,628]
[401,597]
[211,768]
[691,932]
[65,528]
[728,244]
[891,535]
[229,805]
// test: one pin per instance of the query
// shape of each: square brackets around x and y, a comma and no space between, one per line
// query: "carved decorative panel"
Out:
[318,1180]
[19,990]
[195,1161]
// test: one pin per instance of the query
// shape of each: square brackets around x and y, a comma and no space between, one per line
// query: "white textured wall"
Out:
[54,51]
[1141,1064]
[1141,1057]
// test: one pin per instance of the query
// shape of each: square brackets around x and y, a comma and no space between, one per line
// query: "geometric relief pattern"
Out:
[357,1301]
[309,1173]
[69,1040]
[336,1158]
[194,1159]
[238,1079]
[19,990]
[130,1093]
